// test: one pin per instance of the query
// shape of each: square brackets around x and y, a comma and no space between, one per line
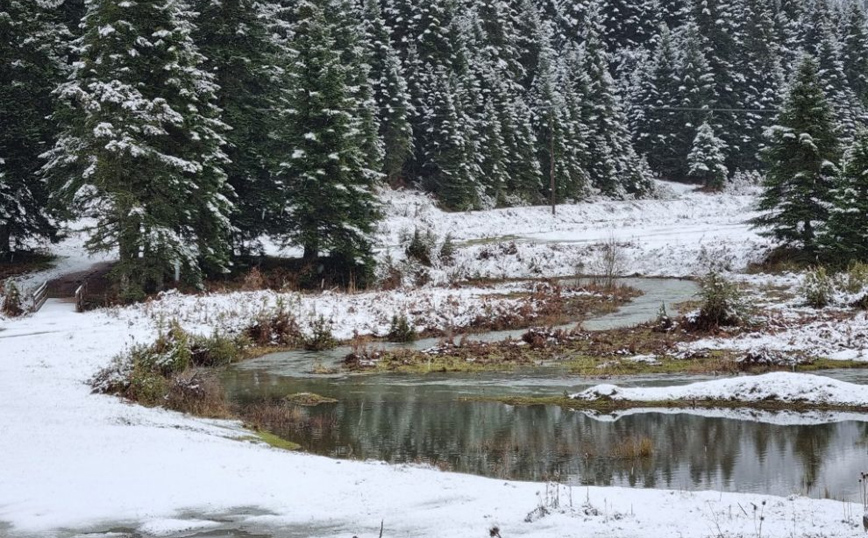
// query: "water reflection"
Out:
[406,422]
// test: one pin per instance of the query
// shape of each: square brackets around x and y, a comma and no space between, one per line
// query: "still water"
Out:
[422,419]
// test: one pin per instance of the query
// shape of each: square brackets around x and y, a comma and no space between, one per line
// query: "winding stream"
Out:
[402,418]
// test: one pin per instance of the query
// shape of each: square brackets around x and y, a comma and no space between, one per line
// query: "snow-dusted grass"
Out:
[72,460]
[779,387]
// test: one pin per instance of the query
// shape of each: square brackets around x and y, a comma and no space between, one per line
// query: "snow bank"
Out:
[76,462]
[777,386]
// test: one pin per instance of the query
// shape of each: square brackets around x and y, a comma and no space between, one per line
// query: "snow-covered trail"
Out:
[73,460]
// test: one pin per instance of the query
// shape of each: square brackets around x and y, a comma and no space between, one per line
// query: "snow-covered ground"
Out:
[781,387]
[74,462]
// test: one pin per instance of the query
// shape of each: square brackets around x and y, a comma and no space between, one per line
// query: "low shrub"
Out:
[320,337]
[12,301]
[855,279]
[448,250]
[722,303]
[818,288]
[218,349]
[421,247]
[277,327]
[198,393]
[400,329]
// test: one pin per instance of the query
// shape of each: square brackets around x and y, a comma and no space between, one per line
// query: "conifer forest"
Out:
[187,130]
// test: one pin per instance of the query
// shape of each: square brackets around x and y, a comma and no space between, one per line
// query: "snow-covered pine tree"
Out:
[658,123]
[33,47]
[140,152]
[239,53]
[390,93]
[854,50]
[802,158]
[449,168]
[629,23]
[706,161]
[846,235]
[848,111]
[329,203]
[696,92]
[717,29]
[613,167]
[761,78]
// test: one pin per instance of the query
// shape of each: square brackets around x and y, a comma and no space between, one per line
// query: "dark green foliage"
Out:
[721,303]
[846,236]
[421,247]
[400,330]
[326,178]
[232,36]
[320,337]
[141,149]
[706,159]
[33,48]
[802,156]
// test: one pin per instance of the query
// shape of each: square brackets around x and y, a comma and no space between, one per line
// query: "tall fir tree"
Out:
[854,50]
[657,122]
[802,155]
[762,79]
[329,200]
[390,93]
[846,235]
[613,166]
[33,49]
[239,53]
[141,151]
[706,161]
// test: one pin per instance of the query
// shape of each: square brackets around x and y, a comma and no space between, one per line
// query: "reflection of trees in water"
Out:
[427,424]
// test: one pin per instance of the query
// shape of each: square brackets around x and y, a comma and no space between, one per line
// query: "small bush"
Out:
[320,337]
[12,301]
[856,277]
[421,247]
[146,386]
[448,250]
[198,393]
[722,303]
[278,327]
[400,330]
[818,288]
[217,349]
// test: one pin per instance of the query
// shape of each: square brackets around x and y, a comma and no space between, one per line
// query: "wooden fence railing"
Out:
[39,297]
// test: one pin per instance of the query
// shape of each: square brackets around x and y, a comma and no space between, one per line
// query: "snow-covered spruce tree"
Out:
[718,30]
[390,93]
[854,50]
[706,159]
[846,235]
[329,204]
[658,122]
[239,53]
[761,85]
[802,158]
[613,166]
[848,111]
[140,152]
[449,168]
[33,46]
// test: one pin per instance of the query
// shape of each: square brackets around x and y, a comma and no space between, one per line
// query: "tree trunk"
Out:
[5,239]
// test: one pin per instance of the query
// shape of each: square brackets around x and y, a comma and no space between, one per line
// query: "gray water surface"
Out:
[402,418]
